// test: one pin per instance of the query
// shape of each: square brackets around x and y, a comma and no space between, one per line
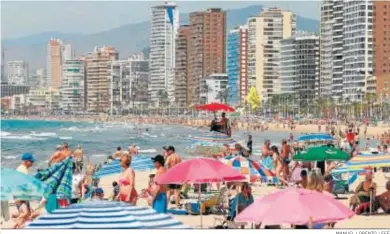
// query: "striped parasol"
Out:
[315,137]
[367,160]
[58,178]
[105,215]
[138,163]
[252,170]
[215,137]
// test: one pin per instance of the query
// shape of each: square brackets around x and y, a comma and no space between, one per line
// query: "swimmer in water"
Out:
[147,129]
[139,131]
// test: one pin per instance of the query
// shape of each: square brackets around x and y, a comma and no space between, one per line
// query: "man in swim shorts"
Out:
[159,196]
[171,160]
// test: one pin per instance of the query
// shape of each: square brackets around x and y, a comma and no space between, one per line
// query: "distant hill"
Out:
[126,39]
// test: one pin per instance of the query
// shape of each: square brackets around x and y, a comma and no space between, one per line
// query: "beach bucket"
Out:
[63,202]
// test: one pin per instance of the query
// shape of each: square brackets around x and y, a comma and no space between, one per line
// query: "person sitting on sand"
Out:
[383,200]
[315,181]
[127,191]
[303,182]
[159,195]
[98,195]
[55,157]
[363,191]
[23,214]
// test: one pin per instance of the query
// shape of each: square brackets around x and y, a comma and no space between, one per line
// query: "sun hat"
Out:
[28,157]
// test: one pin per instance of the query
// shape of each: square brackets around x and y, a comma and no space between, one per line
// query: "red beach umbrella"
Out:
[215,107]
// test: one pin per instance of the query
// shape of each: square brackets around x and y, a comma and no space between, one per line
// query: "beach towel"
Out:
[177,212]
[160,203]
[51,203]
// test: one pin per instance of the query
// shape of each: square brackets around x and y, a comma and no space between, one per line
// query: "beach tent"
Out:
[105,215]
[138,163]
[58,177]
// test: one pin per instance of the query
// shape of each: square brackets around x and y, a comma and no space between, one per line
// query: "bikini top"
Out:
[124,181]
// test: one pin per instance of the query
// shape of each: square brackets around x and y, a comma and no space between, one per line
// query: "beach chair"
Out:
[208,204]
[227,221]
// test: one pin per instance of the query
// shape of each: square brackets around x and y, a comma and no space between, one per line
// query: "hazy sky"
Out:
[26,18]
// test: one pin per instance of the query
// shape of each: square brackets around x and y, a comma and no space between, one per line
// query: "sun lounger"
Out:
[212,203]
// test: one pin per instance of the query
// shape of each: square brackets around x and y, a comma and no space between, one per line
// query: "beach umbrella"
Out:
[105,215]
[315,137]
[138,163]
[321,153]
[19,186]
[374,160]
[249,168]
[58,177]
[214,137]
[205,148]
[215,107]
[294,206]
[199,171]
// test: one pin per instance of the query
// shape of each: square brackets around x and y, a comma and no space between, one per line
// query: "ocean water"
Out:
[99,140]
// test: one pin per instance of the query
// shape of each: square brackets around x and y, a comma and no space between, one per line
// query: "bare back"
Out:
[173,159]
[162,187]
[78,154]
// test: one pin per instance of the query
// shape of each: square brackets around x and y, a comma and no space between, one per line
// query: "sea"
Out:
[99,140]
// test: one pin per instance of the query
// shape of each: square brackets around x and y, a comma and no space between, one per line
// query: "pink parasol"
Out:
[294,206]
[215,107]
[200,170]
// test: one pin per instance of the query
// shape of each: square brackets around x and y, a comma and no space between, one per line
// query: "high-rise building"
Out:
[181,72]
[207,51]
[128,84]
[98,63]
[382,49]
[164,23]
[299,67]
[67,52]
[41,76]
[17,72]
[273,25]
[218,92]
[72,85]
[237,65]
[346,49]
[53,66]
[3,77]
[252,47]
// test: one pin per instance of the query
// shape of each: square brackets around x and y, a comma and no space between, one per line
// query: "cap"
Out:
[159,158]
[169,148]
[99,191]
[28,157]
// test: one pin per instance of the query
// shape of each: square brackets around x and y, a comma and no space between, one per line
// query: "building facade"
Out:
[181,71]
[3,77]
[216,90]
[207,49]
[346,49]
[17,72]
[128,84]
[273,25]
[252,47]
[299,67]
[98,65]
[164,24]
[44,99]
[237,65]
[382,50]
[41,76]
[10,90]
[53,63]
[72,86]
[67,52]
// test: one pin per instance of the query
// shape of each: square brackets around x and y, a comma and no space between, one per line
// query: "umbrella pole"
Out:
[200,208]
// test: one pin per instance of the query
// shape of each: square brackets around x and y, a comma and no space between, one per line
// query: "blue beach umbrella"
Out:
[315,137]
[105,215]
[58,178]
[138,163]
[19,186]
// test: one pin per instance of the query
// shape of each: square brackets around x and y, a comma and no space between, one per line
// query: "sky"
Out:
[23,18]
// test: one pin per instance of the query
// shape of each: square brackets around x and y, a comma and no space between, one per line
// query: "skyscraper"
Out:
[3,77]
[164,23]
[382,49]
[346,49]
[274,25]
[17,72]
[207,51]
[237,65]
[41,76]
[53,66]
[72,85]
[97,77]
[299,67]
[181,72]
[67,52]
[252,47]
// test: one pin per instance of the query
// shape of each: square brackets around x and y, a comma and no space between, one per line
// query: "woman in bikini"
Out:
[278,164]
[127,192]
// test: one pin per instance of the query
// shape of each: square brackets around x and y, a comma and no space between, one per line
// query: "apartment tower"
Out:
[53,65]
[97,78]
[382,49]
[237,65]
[207,51]
[164,23]
[17,73]
[273,25]
[72,85]
[181,71]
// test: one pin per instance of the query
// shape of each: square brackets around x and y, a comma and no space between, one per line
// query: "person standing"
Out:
[266,151]
[285,155]
[171,160]
[249,144]
[27,162]
[78,158]
[127,192]
[54,158]
[159,194]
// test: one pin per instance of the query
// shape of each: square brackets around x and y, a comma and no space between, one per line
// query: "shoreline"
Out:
[240,125]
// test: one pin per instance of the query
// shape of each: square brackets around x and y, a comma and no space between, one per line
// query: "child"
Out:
[147,193]
[24,213]
[115,192]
